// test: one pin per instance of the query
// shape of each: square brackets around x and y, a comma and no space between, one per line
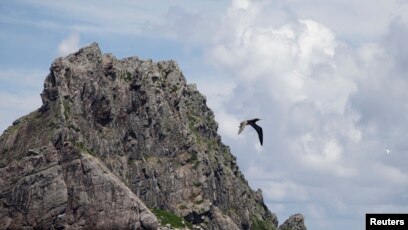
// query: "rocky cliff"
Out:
[115,143]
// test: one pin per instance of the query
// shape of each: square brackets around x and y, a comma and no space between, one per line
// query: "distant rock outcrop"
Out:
[295,222]
[115,139]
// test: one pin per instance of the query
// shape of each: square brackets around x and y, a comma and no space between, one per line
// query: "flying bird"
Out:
[255,126]
[387,151]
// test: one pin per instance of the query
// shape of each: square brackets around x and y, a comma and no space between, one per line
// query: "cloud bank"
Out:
[329,111]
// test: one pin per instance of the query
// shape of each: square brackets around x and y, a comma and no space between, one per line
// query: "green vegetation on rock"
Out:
[166,217]
[258,224]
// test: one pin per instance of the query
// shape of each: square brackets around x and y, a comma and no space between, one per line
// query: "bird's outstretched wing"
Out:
[258,130]
[242,126]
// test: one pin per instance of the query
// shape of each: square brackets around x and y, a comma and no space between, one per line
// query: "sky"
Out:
[328,79]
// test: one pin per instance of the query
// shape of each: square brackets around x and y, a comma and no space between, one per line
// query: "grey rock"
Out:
[222,221]
[115,138]
[295,222]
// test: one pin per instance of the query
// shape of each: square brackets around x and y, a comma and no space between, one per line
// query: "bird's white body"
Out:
[242,126]
[255,126]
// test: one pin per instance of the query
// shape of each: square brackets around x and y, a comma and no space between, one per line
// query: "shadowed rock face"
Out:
[114,137]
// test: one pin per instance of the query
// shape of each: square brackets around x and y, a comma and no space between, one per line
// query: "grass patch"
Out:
[258,224]
[130,161]
[125,75]
[153,160]
[3,158]
[197,184]
[128,76]
[67,109]
[193,158]
[198,202]
[81,146]
[166,217]
[174,89]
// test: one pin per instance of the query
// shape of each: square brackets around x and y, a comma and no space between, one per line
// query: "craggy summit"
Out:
[116,141]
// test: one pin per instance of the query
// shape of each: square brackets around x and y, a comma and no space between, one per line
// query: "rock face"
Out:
[114,139]
[295,222]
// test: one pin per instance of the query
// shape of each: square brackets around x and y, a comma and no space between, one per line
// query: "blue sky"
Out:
[328,80]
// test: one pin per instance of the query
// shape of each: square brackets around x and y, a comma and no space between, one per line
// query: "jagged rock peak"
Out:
[295,222]
[115,139]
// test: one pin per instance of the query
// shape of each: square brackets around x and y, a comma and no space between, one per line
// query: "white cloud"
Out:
[328,108]
[240,4]
[324,157]
[230,125]
[284,191]
[69,44]
[358,22]
[391,174]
